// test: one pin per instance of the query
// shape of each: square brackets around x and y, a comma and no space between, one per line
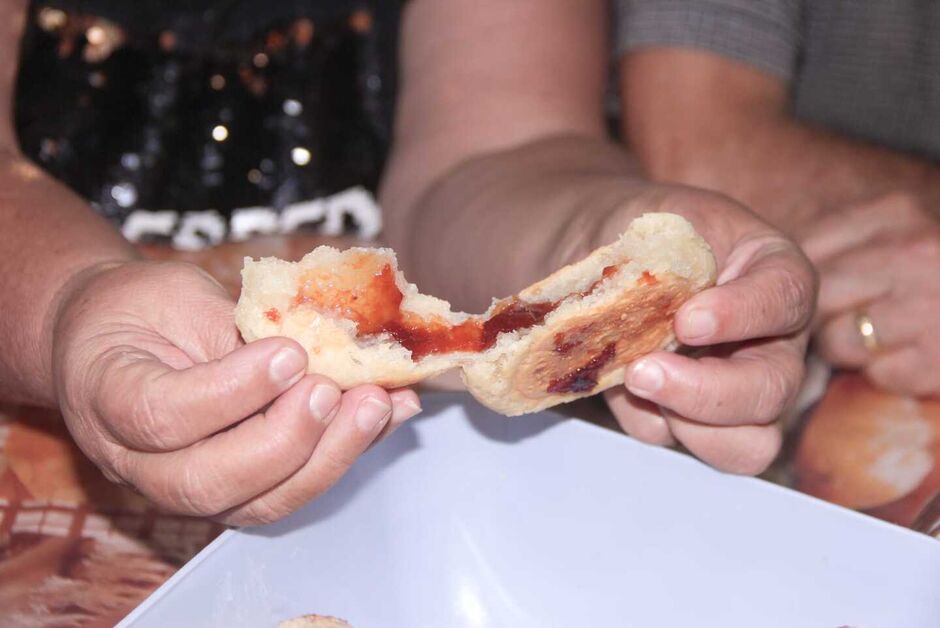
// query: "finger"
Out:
[405,405]
[871,222]
[238,464]
[840,342]
[768,289]
[364,413]
[902,270]
[754,386]
[147,405]
[844,292]
[906,370]
[853,279]
[638,418]
[746,449]
[895,323]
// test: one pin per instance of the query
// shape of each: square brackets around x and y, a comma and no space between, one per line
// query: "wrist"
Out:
[68,295]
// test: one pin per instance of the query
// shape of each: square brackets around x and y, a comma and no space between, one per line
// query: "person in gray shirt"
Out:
[824,117]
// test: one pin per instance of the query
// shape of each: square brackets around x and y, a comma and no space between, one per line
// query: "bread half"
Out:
[567,336]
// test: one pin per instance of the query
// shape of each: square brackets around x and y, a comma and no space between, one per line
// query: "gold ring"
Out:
[866,329]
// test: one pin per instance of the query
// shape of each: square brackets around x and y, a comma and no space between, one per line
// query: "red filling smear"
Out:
[425,338]
[646,279]
[609,272]
[564,346]
[273,315]
[374,304]
[584,378]
[515,316]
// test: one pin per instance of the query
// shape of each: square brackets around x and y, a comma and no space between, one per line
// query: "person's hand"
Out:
[879,263]
[750,334]
[160,392]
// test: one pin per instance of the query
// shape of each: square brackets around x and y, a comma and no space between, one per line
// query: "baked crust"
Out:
[606,310]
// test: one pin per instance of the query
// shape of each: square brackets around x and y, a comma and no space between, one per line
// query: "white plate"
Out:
[465,518]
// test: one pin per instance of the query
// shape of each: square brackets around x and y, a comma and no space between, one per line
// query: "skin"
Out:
[728,127]
[145,362]
[887,267]
[502,172]
[143,357]
[867,216]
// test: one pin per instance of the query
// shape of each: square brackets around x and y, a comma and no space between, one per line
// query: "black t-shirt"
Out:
[210,119]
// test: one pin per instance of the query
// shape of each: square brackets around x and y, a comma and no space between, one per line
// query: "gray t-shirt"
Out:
[868,69]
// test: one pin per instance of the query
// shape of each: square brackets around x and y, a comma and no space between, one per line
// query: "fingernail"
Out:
[323,400]
[699,324]
[372,413]
[646,378]
[408,408]
[286,365]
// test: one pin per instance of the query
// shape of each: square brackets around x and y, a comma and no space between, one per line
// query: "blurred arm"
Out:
[501,170]
[47,237]
[702,119]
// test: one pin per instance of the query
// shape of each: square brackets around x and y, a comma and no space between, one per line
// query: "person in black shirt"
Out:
[500,171]
[198,121]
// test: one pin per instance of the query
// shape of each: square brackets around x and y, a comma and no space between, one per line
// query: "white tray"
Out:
[467,519]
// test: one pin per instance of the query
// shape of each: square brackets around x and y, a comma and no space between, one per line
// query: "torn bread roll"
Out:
[567,336]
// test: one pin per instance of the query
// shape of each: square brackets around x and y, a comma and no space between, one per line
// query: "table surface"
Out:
[77,550]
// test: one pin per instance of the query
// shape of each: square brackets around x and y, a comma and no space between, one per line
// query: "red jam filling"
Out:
[423,338]
[515,316]
[584,378]
[370,297]
[564,346]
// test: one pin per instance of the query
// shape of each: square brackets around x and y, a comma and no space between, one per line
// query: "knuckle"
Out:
[761,451]
[192,495]
[152,423]
[796,298]
[706,405]
[293,444]
[117,467]
[648,430]
[294,438]
[261,512]
[333,465]
[223,384]
[780,386]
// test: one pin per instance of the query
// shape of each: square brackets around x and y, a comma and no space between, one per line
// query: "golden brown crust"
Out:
[635,323]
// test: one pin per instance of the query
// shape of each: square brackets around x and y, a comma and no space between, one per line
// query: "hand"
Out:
[881,259]
[724,403]
[160,392]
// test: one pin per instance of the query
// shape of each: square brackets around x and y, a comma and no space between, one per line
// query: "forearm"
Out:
[48,237]
[500,152]
[791,173]
[500,221]
[701,119]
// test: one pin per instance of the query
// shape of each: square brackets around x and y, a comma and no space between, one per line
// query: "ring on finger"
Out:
[866,329]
